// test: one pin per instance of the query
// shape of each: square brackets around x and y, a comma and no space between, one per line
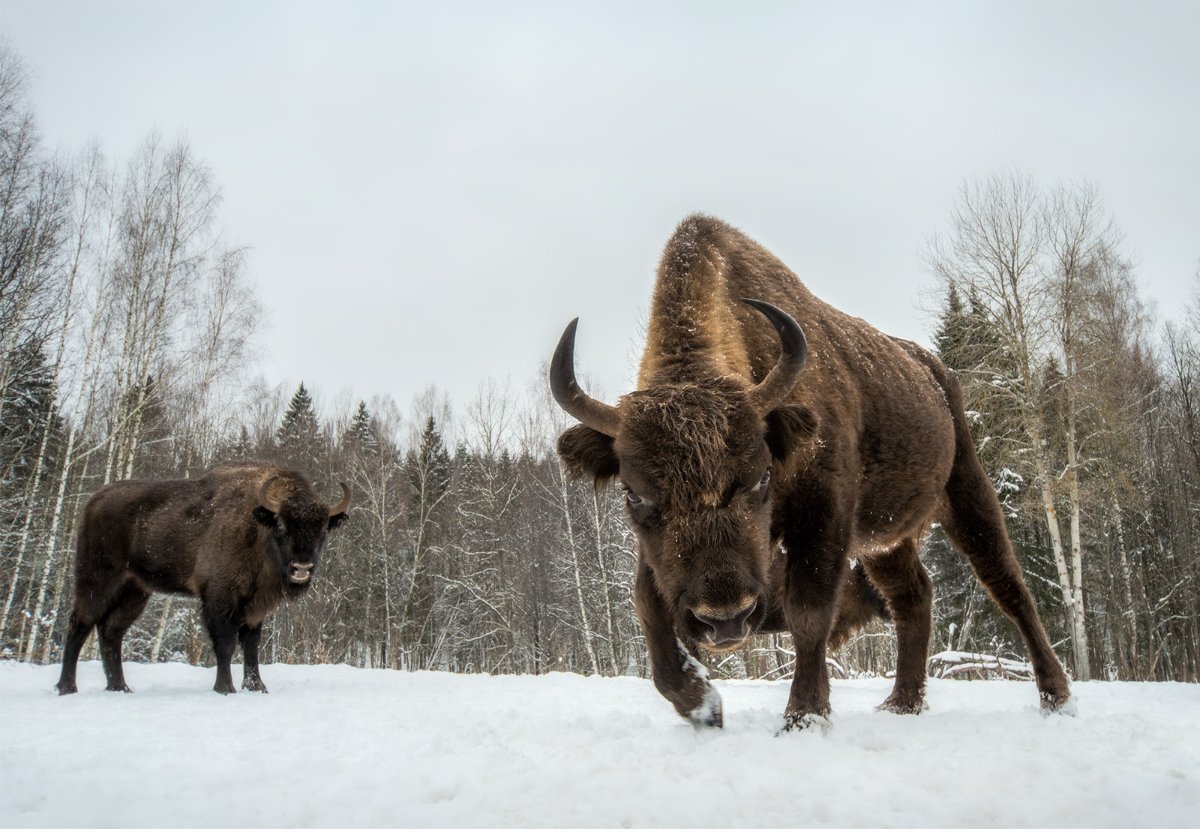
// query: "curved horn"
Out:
[793,353]
[574,400]
[342,505]
[265,499]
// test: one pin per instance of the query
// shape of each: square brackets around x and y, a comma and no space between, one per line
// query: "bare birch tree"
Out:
[1027,254]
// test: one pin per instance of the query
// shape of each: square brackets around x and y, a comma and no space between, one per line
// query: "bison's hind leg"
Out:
[901,578]
[96,588]
[126,607]
[973,520]
[78,629]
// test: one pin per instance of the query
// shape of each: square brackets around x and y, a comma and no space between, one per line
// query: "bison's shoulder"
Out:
[248,472]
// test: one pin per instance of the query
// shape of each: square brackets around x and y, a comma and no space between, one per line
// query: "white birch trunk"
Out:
[161,632]
[1079,635]
[1129,614]
[606,587]
[68,312]
[575,570]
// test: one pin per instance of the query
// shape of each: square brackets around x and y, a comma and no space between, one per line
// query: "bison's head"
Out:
[300,525]
[696,461]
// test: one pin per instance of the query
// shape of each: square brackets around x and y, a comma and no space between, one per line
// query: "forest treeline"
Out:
[126,323]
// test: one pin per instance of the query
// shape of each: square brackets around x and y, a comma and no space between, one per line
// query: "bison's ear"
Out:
[788,428]
[587,453]
[336,521]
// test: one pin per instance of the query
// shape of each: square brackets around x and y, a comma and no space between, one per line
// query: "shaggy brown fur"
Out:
[747,519]
[243,539]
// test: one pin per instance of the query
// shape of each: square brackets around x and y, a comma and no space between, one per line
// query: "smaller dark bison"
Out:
[242,539]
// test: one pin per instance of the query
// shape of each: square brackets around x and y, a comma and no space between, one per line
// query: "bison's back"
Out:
[154,531]
[884,422]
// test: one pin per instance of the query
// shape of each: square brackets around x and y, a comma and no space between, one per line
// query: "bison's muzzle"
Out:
[299,573]
[722,629]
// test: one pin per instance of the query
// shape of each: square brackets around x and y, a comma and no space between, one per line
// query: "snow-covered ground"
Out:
[339,746]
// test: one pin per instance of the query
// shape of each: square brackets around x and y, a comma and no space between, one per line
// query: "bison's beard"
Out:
[294,590]
[724,649]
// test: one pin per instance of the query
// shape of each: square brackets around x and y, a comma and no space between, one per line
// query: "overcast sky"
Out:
[431,191]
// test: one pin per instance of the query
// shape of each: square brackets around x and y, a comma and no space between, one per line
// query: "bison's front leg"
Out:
[901,577]
[249,637]
[678,675]
[816,571]
[224,633]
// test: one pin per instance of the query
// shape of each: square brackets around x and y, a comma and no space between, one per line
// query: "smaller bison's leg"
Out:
[678,675]
[975,523]
[902,579]
[223,631]
[249,637]
[859,605]
[78,629]
[126,606]
[816,572]
[96,587]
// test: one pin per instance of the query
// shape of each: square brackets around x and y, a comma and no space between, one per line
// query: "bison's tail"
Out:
[860,605]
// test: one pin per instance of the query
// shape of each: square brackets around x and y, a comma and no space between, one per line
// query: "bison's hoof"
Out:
[709,713]
[254,684]
[225,689]
[123,688]
[1057,702]
[65,688]
[796,721]
[903,705]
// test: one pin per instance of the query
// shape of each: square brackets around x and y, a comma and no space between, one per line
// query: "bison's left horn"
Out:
[574,400]
[778,383]
[269,502]
[342,505]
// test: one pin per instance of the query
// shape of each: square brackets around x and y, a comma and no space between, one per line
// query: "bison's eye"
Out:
[641,506]
[766,479]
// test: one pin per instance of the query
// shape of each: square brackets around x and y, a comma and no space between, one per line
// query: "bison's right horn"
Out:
[342,505]
[574,400]
[779,381]
[269,502]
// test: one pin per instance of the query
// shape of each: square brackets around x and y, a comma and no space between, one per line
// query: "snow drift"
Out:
[338,746]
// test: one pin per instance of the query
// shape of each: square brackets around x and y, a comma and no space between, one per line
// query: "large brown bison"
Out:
[243,538]
[758,459]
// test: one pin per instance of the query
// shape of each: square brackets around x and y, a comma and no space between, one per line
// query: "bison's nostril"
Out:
[726,624]
[299,572]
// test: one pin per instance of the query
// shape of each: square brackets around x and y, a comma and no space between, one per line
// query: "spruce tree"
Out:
[297,433]
[28,402]
[967,344]
[299,421]
[155,456]
[428,470]
[429,464]
[362,434]
[951,335]
[241,449]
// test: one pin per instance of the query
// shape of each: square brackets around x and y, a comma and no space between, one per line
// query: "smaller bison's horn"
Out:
[266,499]
[778,383]
[574,400]
[342,505]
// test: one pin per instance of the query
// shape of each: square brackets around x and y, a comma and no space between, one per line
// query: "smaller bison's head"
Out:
[300,526]
[695,458]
